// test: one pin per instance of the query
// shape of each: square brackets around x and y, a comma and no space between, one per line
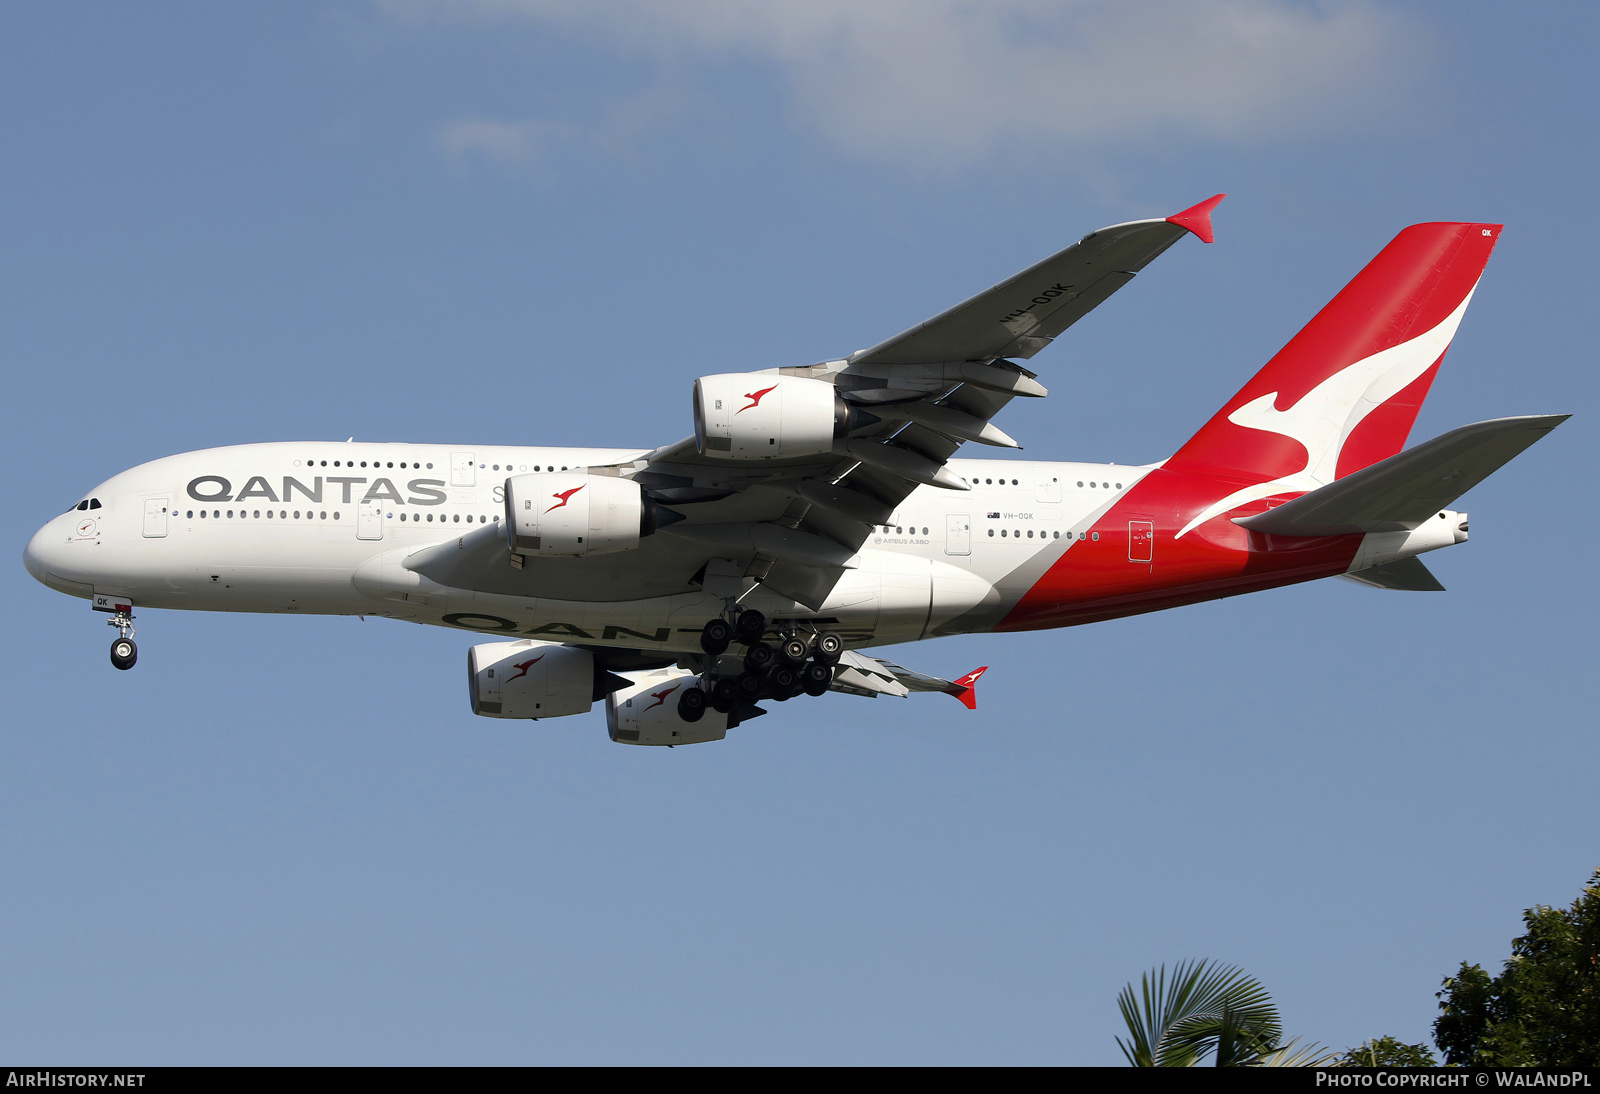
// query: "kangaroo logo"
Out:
[565,496]
[1323,419]
[661,697]
[755,397]
[524,666]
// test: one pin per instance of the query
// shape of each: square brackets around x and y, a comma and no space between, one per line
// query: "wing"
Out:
[1022,314]
[931,389]
[795,525]
[858,674]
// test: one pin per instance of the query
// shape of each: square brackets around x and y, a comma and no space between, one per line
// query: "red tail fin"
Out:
[1345,391]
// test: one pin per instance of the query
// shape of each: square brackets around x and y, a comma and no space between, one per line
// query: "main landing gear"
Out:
[123,652]
[801,663]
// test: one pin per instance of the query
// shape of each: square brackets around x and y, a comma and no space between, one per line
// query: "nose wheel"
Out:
[123,651]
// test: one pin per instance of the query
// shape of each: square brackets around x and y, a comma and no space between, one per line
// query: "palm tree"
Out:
[1205,1007]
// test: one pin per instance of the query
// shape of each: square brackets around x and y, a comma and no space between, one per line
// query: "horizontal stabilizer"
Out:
[1404,490]
[1406,574]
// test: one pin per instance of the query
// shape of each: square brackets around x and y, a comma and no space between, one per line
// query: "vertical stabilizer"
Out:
[1345,391]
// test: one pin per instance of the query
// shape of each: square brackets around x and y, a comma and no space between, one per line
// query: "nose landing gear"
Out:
[123,651]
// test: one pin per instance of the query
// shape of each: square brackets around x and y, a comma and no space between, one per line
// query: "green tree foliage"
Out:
[1387,1052]
[1544,1007]
[1205,1008]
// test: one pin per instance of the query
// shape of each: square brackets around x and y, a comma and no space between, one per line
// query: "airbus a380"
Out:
[817,511]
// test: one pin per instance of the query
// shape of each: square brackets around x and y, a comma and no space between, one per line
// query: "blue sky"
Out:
[288,841]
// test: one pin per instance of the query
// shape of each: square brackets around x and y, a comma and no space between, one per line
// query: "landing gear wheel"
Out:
[715,636]
[794,650]
[692,705]
[124,653]
[751,626]
[829,647]
[725,696]
[760,658]
[816,678]
[749,686]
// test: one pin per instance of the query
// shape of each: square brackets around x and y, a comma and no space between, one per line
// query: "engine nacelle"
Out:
[764,416]
[647,712]
[573,513]
[530,679]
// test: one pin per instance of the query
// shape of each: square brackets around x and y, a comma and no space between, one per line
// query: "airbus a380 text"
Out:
[817,511]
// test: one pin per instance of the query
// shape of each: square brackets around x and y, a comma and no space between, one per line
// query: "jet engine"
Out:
[531,679]
[646,713]
[765,416]
[573,513]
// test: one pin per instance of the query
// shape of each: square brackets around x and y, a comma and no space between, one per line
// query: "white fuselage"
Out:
[322,528]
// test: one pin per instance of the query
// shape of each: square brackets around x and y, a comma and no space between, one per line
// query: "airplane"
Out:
[818,511]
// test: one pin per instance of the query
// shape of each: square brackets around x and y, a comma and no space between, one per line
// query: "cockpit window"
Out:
[82,505]
[94,503]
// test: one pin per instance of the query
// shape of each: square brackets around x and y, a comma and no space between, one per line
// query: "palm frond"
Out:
[1174,1021]
[1291,1055]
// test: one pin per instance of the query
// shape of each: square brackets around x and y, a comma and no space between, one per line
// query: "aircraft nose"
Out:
[45,551]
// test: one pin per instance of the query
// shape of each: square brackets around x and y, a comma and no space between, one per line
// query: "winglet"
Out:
[966,688]
[1197,218]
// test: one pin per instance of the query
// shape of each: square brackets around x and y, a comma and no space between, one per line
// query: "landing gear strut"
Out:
[123,652]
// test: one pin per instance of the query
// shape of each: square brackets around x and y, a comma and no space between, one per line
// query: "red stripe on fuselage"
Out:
[1094,580]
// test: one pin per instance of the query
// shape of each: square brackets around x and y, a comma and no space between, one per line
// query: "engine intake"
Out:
[766,416]
[646,712]
[572,513]
[530,679]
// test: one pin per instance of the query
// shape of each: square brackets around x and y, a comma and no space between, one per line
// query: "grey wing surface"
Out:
[795,525]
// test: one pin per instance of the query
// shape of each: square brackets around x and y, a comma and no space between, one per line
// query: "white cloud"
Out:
[947,82]
[507,142]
